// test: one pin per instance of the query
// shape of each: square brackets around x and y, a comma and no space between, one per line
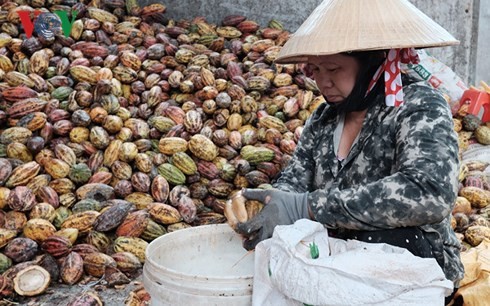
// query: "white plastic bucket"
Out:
[204,265]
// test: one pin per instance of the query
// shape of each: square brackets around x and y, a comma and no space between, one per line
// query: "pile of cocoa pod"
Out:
[471,213]
[132,126]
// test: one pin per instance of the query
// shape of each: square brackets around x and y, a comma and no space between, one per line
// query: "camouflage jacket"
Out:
[401,172]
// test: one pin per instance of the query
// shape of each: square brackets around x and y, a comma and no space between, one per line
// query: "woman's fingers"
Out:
[251,226]
[256,194]
[230,216]
[238,207]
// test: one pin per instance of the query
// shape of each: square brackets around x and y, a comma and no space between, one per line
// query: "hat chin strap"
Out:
[392,74]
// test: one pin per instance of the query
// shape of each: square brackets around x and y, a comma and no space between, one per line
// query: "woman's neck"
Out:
[356,117]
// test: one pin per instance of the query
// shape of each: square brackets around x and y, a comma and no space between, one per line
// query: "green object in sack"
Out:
[314,250]
[314,253]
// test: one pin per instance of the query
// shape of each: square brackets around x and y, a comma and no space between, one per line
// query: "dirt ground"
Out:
[61,294]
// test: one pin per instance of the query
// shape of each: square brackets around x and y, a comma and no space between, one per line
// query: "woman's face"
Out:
[335,75]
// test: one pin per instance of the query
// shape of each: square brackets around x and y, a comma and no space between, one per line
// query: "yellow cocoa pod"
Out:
[482,135]
[282,79]
[69,233]
[172,145]
[111,153]
[269,122]
[95,263]
[38,229]
[33,121]
[82,221]
[207,77]
[62,186]
[77,29]
[124,74]
[5,63]
[15,78]
[258,83]
[57,168]
[83,74]
[479,198]
[164,213]
[184,162]
[17,150]
[79,134]
[255,155]
[39,62]
[39,181]
[22,174]
[134,245]
[131,60]
[65,153]
[6,235]
[476,165]
[235,122]
[102,15]
[4,195]
[128,152]
[140,199]
[42,211]
[462,205]
[203,147]
[458,125]
[228,32]
[15,134]
[177,226]
[476,233]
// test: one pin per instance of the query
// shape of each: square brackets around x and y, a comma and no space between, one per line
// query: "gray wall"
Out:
[460,17]
[482,62]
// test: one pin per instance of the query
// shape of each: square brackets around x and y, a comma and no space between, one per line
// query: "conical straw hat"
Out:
[354,25]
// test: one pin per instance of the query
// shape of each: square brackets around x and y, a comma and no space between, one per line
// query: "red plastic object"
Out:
[477,99]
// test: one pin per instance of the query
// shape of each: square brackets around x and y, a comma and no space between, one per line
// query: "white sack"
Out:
[345,273]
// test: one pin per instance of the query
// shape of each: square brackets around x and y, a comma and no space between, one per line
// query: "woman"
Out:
[378,162]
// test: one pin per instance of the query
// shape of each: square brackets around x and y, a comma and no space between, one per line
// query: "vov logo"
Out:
[47,25]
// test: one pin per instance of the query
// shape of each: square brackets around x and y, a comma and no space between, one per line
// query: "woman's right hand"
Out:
[235,210]
[280,208]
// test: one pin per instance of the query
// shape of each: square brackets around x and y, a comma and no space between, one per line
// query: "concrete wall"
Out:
[291,13]
[482,61]
[459,17]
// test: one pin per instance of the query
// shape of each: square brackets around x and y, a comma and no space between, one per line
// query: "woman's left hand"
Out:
[281,208]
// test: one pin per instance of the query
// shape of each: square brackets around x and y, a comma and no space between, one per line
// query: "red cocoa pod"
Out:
[123,188]
[21,249]
[71,269]
[126,261]
[113,216]
[187,209]
[102,177]
[160,189]
[140,181]
[56,246]
[21,198]
[134,224]
[176,193]
[47,194]
[83,249]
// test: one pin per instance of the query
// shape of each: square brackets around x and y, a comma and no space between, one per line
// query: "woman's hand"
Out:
[281,208]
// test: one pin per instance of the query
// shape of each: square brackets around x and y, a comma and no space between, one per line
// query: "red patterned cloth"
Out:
[392,74]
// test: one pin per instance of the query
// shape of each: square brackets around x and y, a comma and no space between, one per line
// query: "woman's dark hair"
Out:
[369,62]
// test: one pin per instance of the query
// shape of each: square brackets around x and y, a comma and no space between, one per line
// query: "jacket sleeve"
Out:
[423,187]
[298,174]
